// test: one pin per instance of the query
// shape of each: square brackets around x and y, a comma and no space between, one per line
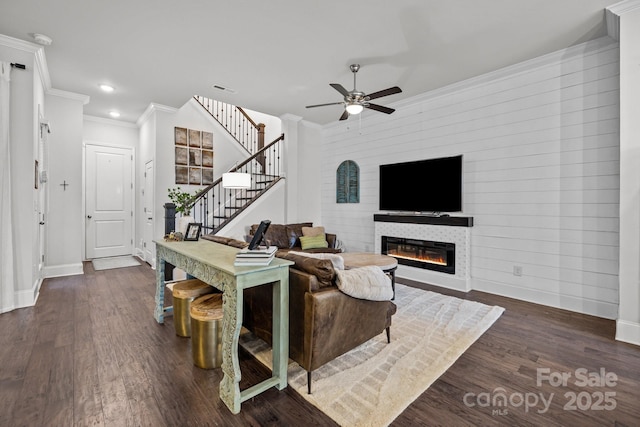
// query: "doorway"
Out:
[108,201]
[148,246]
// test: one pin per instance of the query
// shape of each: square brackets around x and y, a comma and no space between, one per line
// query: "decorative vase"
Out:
[182,223]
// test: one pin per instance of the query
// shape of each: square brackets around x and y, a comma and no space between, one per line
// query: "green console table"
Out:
[213,264]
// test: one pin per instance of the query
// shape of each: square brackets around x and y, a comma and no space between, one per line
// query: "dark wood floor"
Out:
[90,353]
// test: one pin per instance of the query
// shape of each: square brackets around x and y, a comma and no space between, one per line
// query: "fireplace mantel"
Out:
[453,221]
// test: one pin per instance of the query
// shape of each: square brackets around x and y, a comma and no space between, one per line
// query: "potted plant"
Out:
[182,200]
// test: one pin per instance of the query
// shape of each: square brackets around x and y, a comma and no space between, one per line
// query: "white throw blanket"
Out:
[369,283]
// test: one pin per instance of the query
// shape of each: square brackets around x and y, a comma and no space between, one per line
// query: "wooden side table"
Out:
[387,263]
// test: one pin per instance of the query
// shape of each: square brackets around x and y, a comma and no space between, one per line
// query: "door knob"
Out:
[149,218]
[89,216]
[41,222]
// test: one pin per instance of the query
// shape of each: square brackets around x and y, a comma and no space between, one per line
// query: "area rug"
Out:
[372,384]
[114,262]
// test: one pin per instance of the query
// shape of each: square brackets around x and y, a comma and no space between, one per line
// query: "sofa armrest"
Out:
[336,323]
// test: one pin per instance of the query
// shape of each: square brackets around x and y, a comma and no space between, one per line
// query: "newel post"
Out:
[261,158]
[169,226]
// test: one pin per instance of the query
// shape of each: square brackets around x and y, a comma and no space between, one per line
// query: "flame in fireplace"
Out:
[425,256]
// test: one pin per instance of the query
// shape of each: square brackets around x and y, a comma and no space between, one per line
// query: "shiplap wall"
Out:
[541,173]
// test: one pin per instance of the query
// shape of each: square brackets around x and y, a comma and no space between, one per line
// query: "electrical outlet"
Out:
[517,270]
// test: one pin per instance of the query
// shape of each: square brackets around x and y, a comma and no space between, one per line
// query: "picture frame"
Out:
[193,231]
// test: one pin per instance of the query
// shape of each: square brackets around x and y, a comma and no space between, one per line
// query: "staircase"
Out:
[216,206]
[249,134]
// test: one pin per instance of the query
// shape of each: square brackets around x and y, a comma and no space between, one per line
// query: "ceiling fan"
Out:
[355,101]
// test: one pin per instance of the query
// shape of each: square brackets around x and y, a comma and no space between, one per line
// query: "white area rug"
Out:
[114,262]
[372,384]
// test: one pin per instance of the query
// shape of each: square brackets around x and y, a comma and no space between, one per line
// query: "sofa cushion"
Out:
[369,283]
[321,268]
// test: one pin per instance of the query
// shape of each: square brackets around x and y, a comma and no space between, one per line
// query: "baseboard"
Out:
[62,270]
[443,280]
[628,332]
[29,297]
[565,302]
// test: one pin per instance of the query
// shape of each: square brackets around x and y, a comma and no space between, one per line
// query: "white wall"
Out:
[540,144]
[65,223]
[97,130]
[628,326]
[23,128]
[272,124]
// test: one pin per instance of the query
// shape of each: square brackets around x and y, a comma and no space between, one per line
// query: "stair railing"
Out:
[237,122]
[215,206]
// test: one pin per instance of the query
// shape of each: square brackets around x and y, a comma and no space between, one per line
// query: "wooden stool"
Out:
[184,293]
[206,329]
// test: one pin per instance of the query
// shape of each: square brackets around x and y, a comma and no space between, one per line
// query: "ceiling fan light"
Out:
[354,108]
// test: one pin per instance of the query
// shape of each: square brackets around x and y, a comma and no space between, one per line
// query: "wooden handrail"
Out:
[246,116]
[205,190]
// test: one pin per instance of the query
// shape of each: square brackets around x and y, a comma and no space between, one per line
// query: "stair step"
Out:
[219,217]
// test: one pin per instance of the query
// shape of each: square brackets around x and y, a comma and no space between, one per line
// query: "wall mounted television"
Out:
[431,185]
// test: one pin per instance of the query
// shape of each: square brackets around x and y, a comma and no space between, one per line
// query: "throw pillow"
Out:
[295,230]
[321,268]
[313,231]
[313,242]
[336,260]
[368,283]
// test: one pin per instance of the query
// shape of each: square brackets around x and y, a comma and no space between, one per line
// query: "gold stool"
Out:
[206,327]
[184,293]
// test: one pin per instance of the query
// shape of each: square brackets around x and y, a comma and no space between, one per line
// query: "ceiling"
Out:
[280,55]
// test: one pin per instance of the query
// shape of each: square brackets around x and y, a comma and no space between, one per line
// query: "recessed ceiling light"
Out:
[106,88]
[114,114]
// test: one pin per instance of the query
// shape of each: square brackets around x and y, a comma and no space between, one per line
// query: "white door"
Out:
[148,247]
[108,199]
[41,167]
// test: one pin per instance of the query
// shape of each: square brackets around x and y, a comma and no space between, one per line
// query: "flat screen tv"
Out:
[431,185]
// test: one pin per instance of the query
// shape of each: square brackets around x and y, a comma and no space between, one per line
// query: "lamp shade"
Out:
[236,180]
[354,108]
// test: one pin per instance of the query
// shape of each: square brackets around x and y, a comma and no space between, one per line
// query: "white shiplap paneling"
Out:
[541,173]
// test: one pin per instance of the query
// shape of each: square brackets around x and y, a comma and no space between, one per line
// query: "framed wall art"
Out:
[193,156]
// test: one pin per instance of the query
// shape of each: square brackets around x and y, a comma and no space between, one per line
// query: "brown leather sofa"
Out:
[324,323]
[287,237]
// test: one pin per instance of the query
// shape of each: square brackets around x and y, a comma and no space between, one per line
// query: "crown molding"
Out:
[69,95]
[312,125]
[37,51]
[613,13]
[290,117]
[152,108]
[110,122]
[22,45]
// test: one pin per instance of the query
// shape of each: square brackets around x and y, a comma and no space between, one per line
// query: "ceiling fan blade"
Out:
[339,88]
[380,108]
[386,92]
[323,105]
[344,115]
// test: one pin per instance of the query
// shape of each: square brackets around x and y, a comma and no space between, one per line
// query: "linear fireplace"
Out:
[437,256]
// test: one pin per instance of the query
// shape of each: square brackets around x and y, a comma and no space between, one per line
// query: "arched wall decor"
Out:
[348,182]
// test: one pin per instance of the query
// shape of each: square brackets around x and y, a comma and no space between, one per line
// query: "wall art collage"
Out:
[194,156]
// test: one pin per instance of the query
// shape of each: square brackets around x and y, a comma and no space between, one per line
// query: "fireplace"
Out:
[436,256]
